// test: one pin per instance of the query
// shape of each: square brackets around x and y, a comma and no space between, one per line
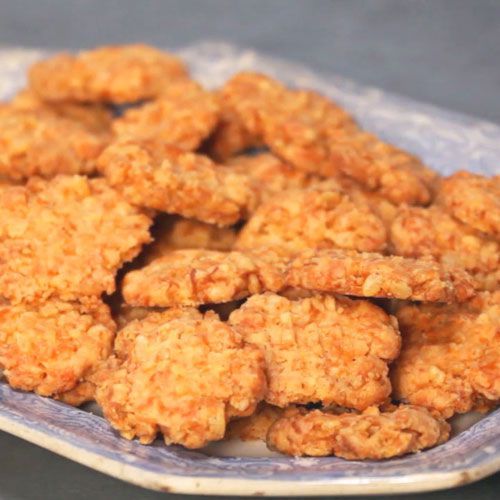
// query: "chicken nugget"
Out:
[49,348]
[194,277]
[313,218]
[321,349]
[474,200]
[183,115]
[180,374]
[117,74]
[371,435]
[65,237]
[416,232]
[375,275]
[450,361]
[163,177]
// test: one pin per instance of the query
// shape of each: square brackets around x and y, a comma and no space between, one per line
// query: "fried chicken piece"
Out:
[117,74]
[41,143]
[183,115]
[313,218]
[180,374]
[417,232]
[65,237]
[166,178]
[50,347]
[321,349]
[474,200]
[371,435]
[194,277]
[450,362]
[375,275]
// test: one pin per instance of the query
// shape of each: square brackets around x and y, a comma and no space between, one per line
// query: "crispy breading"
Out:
[473,199]
[158,175]
[194,277]
[183,115]
[313,218]
[125,314]
[65,237]
[416,232]
[371,435]
[117,74]
[150,391]
[450,360]
[321,349]
[52,346]
[41,143]
[375,275]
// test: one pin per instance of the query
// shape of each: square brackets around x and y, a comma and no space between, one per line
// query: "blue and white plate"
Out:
[446,141]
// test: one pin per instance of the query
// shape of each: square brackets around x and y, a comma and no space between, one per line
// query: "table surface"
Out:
[445,52]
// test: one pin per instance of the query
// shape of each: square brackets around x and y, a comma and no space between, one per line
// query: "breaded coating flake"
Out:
[183,115]
[65,237]
[473,199]
[117,74]
[163,177]
[313,218]
[180,374]
[321,349]
[373,434]
[194,277]
[450,361]
[41,143]
[375,275]
[50,347]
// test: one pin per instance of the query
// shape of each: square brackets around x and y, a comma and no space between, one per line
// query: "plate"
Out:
[446,141]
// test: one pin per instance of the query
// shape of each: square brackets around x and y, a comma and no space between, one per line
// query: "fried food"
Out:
[450,362]
[65,237]
[375,275]
[373,434]
[41,143]
[324,349]
[163,177]
[50,347]
[149,390]
[313,218]
[117,74]
[474,200]
[194,277]
[183,115]
[417,232]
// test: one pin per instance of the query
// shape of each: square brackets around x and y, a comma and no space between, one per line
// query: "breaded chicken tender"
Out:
[163,177]
[180,374]
[117,74]
[50,347]
[183,115]
[473,199]
[417,232]
[375,275]
[373,434]
[321,349]
[41,143]
[65,237]
[194,277]
[450,362]
[313,218]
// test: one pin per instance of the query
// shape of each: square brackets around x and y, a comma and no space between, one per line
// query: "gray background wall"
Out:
[446,52]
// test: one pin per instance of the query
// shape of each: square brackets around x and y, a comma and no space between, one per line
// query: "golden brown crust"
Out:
[148,390]
[65,237]
[375,275]
[321,348]
[194,277]
[450,358]
[371,435]
[117,74]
